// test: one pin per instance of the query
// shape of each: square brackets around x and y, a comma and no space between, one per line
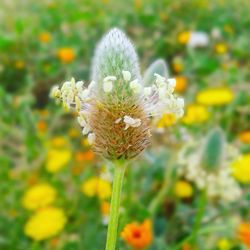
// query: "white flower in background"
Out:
[214,176]
[198,39]
[115,109]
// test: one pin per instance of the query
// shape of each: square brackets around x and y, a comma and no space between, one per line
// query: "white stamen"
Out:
[107,86]
[131,122]
[91,138]
[135,86]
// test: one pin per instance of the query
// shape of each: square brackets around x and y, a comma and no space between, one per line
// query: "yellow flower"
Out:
[19,64]
[73,132]
[58,142]
[66,55]
[41,126]
[38,196]
[57,159]
[221,48]
[96,187]
[138,236]
[44,37]
[166,120]
[241,169]
[224,244]
[181,84]
[177,64]
[105,207]
[183,189]
[184,37]
[215,96]
[45,223]
[245,136]
[195,114]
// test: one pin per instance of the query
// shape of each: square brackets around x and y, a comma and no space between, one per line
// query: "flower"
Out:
[57,159]
[244,233]
[184,37]
[45,223]
[221,48]
[215,96]
[241,169]
[96,187]
[195,114]
[138,236]
[66,55]
[245,136]
[224,244]
[58,142]
[117,96]
[198,39]
[105,207]
[181,84]
[38,196]
[41,126]
[166,120]
[84,156]
[44,37]
[183,189]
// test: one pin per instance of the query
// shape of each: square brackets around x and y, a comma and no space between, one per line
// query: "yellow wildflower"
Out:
[41,126]
[221,48]
[183,189]
[45,223]
[96,187]
[105,207]
[19,64]
[37,196]
[58,142]
[181,84]
[44,37]
[177,64]
[66,55]
[195,114]
[73,132]
[57,159]
[245,136]
[224,244]
[215,96]
[166,120]
[184,37]
[241,169]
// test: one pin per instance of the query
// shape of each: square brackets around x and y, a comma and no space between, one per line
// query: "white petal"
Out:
[109,78]
[126,75]
[91,138]
[135,86]
[107,86]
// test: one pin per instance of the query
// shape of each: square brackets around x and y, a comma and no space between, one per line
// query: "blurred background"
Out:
[54,191]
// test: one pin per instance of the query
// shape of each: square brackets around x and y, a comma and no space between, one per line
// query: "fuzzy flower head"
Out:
[114,110]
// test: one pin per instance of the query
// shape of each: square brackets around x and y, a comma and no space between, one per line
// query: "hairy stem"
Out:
[114,206]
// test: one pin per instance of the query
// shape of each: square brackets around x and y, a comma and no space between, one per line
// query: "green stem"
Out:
[199,216]
[114,206]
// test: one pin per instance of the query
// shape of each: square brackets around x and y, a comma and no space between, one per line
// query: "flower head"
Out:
[66,55]
[195,114]
[241,169]
[45,223]
[96,187]
[38,196]
[245,136]
[183,189]
[44,37]
[215,96]
[244,233]
[138,236]
[114,110]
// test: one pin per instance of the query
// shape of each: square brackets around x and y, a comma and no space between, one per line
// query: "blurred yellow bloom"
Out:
[184,37]
[195,114]
[66,55]
[19,64]
[58,142]
[44,37]
[183,189]
[177,64]
[221,48]
[245,136]
[215,96]
[38,196]
[45,223]
[73,132]
[166,120]
[224,244]
[57,159]
[181,84]
[85,142]
[228,29]
[241,169]
[96,187]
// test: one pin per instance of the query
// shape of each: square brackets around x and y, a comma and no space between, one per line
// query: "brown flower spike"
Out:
[115,109]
